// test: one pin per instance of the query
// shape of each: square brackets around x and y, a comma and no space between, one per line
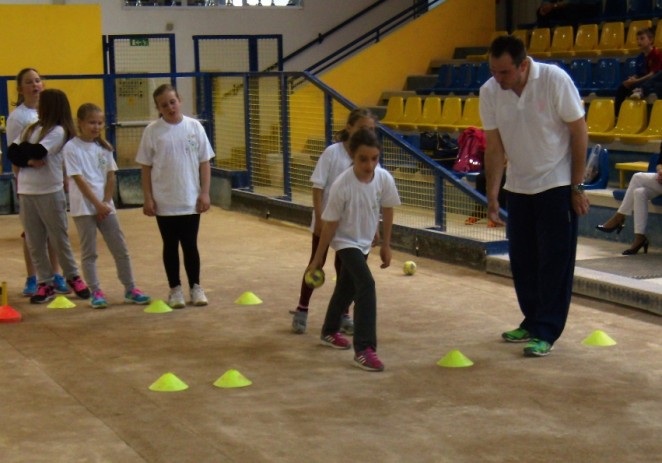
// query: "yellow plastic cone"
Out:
[599,338]
[61,302]
[168,383]
[248,298]
[231,379]
[158,306]
[455,359]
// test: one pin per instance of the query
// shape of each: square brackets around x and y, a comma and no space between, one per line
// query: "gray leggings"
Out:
[109,227]
[44,217]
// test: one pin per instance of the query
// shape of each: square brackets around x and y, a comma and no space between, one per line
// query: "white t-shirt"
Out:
[175,152]
[356,206]
[49,178]
[334,161]
[93,162]
[533,127]
[18,120]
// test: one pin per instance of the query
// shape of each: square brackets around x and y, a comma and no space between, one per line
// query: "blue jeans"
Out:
[542,230]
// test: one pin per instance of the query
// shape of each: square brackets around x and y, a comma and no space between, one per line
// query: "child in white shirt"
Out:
[90,164]
[334,161]
[38,154]
[174,153]
[351,218]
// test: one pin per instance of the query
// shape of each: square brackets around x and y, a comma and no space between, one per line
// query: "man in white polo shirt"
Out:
[533,117]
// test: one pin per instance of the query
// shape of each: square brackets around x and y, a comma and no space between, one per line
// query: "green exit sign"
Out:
[139,42]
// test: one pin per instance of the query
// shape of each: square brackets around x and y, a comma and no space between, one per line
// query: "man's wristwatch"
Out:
[578,188]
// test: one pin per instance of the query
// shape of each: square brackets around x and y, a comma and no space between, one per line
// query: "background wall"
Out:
[33,37]
[297,25]
[386,65]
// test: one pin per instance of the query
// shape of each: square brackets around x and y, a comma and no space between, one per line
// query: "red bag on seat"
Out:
[472,151]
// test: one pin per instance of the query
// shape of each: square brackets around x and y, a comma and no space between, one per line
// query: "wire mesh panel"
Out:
[416,185]
[134,105]
[266,147]
[307,136]
[229,128]
[459,207]
[232,53]
[223,55]
[135,110]
[269,53]
[142,54]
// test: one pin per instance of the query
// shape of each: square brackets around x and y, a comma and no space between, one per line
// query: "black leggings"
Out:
[176,229]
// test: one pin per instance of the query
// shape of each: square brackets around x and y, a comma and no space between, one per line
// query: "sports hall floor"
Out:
[74,382]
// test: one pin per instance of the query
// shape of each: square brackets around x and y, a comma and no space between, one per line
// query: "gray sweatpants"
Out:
[109,227]
[44,217]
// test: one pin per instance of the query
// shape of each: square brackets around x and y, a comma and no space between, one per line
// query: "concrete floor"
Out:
[74,382]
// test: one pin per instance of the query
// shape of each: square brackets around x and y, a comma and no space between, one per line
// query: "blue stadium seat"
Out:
[615,10]
[640,9]
[444,80]
[607,76]
[601,181]
[581,71]
[629,68]
[481,75]
[463,78]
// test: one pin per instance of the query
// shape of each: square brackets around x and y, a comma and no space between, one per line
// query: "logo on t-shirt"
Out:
[192,145]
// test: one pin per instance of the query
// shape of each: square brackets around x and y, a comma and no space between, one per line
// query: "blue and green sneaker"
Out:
[518,335]
[537,348]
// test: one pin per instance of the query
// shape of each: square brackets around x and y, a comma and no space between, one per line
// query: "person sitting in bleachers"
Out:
[567,12]
[643,187]
[648,71]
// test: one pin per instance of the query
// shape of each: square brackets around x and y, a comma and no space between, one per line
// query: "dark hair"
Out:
[508,44]
[83,112]
[161,89]
[364,137]
[354,116]
[648,31]
[19,79]
[54,110]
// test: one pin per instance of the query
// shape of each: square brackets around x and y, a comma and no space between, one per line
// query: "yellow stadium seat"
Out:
[612,38]
[654,130]
[586,40]
[658,37]
[562,42]
[394,111]
[450,114]
[523,35]
[630,47]
[540,42]
[470,114]
[632,119]
[431,113]
[483,56]
[411,114]
[600,116]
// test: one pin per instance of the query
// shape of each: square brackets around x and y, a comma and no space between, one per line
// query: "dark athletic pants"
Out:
[542,230]
[355,282]
[176,230]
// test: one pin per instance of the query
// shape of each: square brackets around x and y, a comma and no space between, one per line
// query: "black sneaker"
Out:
[45,293]
[79,287]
